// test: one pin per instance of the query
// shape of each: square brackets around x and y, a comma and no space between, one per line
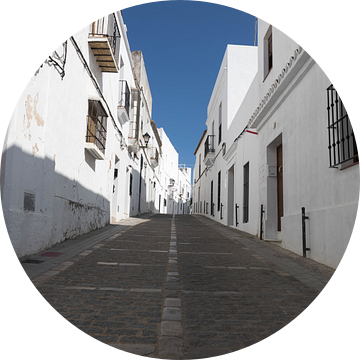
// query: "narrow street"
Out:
[180,287]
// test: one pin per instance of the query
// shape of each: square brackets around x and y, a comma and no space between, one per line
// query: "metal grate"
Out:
[124,96]
[29,202]
[32,261]
[209,145]
[97,124]
[342,144]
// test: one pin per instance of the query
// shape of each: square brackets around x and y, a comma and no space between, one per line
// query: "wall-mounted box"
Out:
[272,170]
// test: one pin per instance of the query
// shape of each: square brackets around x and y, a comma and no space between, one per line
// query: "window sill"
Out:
[94,151]
[348,166]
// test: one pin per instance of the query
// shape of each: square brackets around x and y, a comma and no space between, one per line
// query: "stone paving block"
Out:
[200,353]
[170,348]
[224,302]
[172,313]
[136,349]
[172,302]
[171,328]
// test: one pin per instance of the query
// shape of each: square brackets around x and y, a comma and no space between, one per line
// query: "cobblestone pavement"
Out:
[175,287]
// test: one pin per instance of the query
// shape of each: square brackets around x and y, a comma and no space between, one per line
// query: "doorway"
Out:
[280,193]
[274,189]
[231,195]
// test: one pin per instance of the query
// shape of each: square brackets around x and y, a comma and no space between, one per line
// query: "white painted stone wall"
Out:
[236,73]
[44,154]
[287,106]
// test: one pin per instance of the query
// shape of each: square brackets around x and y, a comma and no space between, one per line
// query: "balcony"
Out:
[104,40]
[154,157]
[123,107]
[133,143]
[209,150]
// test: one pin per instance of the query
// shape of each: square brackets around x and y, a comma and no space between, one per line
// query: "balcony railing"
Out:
[154,156]
[104,39]
[209,144]
[124,95]
[124,102]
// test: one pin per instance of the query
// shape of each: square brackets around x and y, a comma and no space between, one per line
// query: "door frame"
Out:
[231,195]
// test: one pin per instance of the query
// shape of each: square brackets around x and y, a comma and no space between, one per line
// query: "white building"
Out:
[184,189]
[289,145]
[176,192]
[81,149]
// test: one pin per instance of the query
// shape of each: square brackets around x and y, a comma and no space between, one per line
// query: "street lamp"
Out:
[146,137]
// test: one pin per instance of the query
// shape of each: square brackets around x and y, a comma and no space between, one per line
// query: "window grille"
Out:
[342,144]
[124,96]
[96,125]
[220,121]
[208,147]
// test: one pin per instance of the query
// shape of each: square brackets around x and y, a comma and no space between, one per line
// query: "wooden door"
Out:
[280,198]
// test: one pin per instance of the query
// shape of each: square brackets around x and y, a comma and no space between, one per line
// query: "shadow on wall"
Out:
[42,207]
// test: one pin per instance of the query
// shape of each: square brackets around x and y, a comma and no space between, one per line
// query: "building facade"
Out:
[81,149]
[284,166]
[176,192]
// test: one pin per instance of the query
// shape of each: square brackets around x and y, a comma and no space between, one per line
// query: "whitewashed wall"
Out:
[287,106]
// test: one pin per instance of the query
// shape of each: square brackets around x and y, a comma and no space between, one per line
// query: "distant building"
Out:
[82,149]
[175,198]
[278,139]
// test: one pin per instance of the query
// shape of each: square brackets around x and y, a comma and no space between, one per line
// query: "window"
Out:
[199,165]
[220,121]
[218,193]
[268,52]
[342,144]
[96,125]
[124,101]
[246,194]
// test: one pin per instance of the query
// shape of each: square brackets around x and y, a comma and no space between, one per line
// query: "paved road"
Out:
[180,287]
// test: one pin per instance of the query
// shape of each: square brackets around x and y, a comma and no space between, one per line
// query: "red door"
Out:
[280,198]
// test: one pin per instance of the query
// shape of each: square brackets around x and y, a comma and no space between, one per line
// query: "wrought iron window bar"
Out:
[342,144]
[209,145]
[96,125]
[124,96]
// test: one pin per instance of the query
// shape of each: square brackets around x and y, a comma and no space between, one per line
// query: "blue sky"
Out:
[183,43]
